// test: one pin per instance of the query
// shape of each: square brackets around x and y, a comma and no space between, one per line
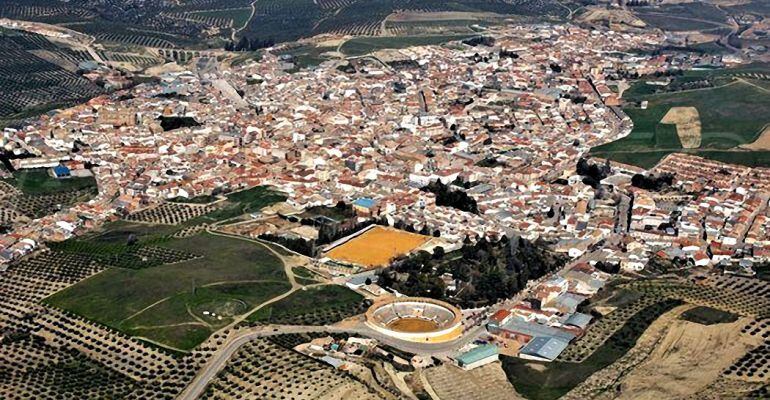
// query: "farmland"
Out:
[733,111]
[661,336]
[263,369]
[179,304]
[33,193]
[366,45]
[282,21]
[681,17]
[715,342]
[205,24]
[376,247]
[32,84]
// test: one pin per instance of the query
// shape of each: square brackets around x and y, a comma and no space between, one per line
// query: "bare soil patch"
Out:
[688,128]
[599,15]
[762,142]
[486,382]
[689,358]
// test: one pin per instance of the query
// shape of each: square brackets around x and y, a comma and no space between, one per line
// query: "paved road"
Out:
[225,353]
[218,361]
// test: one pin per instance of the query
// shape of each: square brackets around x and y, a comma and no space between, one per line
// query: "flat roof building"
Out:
[477,357]
[543,348]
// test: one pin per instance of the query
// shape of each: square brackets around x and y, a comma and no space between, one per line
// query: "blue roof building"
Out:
[364,202]
[60,171]
[543,348]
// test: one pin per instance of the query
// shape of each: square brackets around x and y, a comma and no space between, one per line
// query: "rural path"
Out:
[146,308]
[288,267]
[570,11]
[170,326]
[734,28]
[253,6]
[288,263]
[753,84]
[159,344]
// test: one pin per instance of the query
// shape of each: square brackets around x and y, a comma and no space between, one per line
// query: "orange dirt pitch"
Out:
[377,247]
[413,325]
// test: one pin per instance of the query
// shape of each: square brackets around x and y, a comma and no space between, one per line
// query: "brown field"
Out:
[413,325]
[597,15]
[673,359]
[687,121]
[377,247]
[691,353]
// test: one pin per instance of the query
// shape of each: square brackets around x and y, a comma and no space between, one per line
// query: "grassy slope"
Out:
[239,203]
[115,294]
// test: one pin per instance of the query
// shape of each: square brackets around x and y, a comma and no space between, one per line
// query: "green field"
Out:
[364,45]
[306,55]
[239,16]
[240,203]
[683,17]
[312,306]
[732,113]
[37,181]
[167,303]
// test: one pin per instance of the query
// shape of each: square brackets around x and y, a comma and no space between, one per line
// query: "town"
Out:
[451,189]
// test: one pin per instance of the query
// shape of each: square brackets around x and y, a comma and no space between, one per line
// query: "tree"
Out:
[438,252]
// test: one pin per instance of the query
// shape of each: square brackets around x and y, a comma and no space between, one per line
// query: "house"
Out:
[499,318]
[701,259]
